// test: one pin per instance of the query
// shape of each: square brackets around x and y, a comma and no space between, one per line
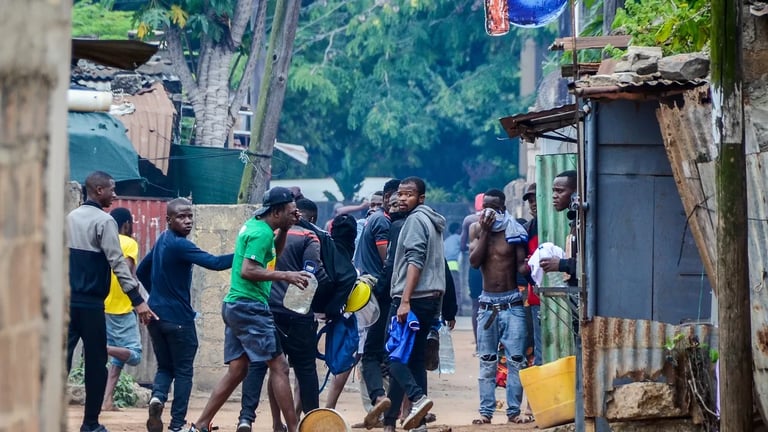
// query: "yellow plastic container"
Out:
[551,391]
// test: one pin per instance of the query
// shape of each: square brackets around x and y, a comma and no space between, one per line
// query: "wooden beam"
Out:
[732,288]
[566,70]
[566,43]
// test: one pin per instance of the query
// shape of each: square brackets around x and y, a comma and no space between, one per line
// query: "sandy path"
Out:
[456,400]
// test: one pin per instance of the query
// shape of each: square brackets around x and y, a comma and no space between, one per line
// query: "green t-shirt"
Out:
[256,242]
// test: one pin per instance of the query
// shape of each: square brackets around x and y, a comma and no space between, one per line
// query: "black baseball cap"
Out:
[530,190]
[275,196]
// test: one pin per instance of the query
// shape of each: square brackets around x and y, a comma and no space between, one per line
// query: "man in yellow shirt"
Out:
[123,338]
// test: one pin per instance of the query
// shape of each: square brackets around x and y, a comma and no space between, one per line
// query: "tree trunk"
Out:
[211,104]
[257,172]
[732,287]
[34,77]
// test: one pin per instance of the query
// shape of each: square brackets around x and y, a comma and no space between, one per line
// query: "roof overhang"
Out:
[538,124]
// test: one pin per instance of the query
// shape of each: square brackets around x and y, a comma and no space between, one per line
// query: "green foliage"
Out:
[124,394]
[678,26]
[403,88]
[202,18]
[94,18]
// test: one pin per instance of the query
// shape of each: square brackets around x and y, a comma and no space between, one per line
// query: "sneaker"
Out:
[419,409]
[97,428]
[372,418]
[244,426]
[432,354]
[193,428]
[422,428]
[155,421]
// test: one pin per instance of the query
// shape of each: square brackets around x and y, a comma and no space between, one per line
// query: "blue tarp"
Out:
[97,142]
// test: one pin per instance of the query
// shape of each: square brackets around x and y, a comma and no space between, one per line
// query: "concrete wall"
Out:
[34,70]
[215,231]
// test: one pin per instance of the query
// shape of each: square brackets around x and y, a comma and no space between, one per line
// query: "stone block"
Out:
[643,400]
[628,77]
[635,53]
[684,67]
[76,394]
[646,66]
[603,81]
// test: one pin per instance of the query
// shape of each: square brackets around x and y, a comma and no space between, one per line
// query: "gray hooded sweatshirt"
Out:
[420,243]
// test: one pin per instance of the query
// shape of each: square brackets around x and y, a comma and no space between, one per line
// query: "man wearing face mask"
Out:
[498,246]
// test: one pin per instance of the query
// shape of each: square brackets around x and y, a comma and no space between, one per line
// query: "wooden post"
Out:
[732,288]
[271,96]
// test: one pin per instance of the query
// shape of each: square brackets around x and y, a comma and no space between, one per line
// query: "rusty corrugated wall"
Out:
[619,351]
[148,219]
[557,337]
[148,223]
[686,126]
[150,127]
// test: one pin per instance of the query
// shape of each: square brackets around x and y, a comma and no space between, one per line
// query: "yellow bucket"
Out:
[551,391]
[323,420]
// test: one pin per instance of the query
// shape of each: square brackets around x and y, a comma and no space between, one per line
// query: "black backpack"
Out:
[332,293]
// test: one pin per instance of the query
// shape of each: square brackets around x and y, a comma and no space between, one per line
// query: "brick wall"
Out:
[34,64]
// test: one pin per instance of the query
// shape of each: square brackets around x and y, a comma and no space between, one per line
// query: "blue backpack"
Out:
[341,343]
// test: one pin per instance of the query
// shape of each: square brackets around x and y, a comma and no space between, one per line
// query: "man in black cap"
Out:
[250,334]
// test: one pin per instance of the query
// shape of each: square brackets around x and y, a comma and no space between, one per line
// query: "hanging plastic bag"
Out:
[447,358]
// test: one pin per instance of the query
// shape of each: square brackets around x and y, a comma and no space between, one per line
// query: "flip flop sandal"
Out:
[481,421]
[521,419]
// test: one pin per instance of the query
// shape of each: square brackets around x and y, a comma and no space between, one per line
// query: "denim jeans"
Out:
[536,318]
[508,328]
[297,340]
[175,347]
[411,379]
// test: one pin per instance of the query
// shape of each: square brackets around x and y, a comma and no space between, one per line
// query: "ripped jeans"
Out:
[507,327]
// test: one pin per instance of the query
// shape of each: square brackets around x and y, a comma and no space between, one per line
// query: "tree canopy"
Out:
[403,87]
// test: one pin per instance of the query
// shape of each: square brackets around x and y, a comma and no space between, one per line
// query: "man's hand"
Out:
[487,218]
[300,279]
[550,264]
[451,324]
[402,311]
[145,313]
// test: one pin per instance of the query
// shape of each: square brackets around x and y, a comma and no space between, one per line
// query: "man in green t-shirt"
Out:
[250,334]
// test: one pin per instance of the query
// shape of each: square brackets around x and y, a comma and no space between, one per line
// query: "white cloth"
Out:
[545,250]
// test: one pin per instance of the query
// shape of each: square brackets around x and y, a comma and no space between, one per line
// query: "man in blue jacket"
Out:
[166,273]
[94,250]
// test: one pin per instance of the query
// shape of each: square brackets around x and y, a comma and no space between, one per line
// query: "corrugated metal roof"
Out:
[533,125]
[150,127]
[631,90]
[557,337]
[618,351]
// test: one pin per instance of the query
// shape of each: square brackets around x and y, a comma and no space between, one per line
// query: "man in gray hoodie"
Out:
[418,284]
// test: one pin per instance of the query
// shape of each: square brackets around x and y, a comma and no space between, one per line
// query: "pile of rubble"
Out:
[644,64]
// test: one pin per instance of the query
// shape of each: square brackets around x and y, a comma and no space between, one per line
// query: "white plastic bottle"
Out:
[447,358]
[299,299]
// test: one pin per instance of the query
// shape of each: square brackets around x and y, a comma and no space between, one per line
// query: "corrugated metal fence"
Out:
[557,337]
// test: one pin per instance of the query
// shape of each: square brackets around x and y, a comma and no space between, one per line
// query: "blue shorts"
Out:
[250,330]
[123,332]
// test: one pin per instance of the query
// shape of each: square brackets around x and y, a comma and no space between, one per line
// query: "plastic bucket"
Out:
[323,420]
[551,391]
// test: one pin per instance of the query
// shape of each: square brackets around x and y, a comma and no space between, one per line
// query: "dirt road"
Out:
[456,401]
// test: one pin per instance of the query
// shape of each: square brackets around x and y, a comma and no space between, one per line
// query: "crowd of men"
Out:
[401,246]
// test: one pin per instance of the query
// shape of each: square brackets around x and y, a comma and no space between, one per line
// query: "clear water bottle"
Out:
[299,299]
[447,359]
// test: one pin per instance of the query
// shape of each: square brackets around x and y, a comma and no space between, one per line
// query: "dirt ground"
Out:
[455,396]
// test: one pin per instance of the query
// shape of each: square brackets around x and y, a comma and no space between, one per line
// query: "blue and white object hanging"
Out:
[535,13]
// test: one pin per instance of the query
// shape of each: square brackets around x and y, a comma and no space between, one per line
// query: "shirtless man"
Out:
[498,246]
